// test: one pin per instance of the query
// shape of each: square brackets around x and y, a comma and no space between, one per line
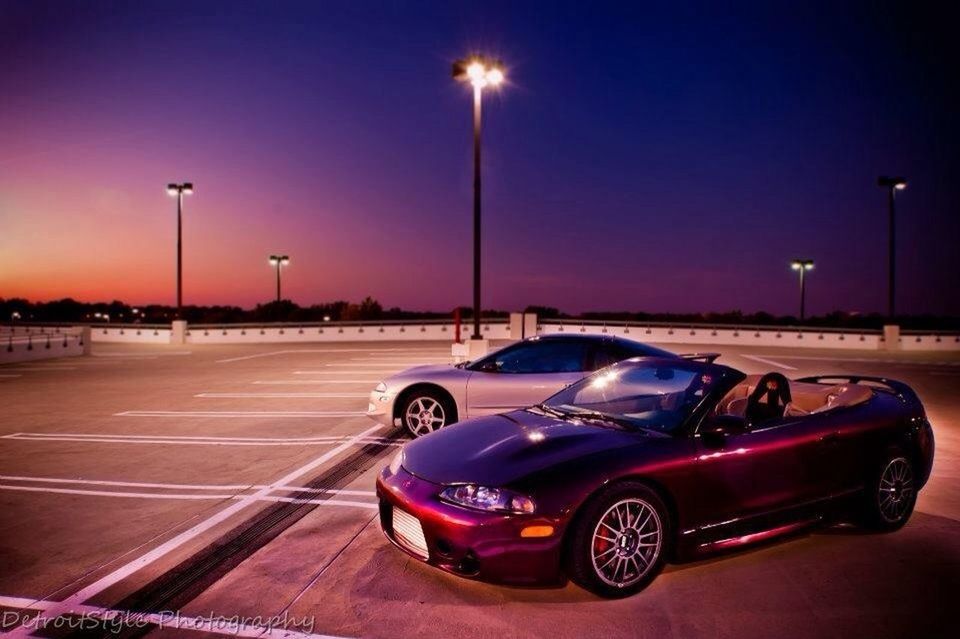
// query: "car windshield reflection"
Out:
[655,395]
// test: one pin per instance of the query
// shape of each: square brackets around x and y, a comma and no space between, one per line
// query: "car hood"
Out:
[429,372]
[501,449]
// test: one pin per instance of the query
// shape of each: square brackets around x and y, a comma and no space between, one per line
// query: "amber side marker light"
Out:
[537,531]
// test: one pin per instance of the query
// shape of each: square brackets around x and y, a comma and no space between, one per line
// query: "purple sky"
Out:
[665,159]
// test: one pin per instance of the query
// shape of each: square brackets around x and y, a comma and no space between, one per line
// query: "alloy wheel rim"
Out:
[896,490]
[626,542]
[425,415]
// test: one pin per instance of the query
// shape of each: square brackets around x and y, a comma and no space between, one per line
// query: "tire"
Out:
[890,494]
[425,411]
[619,540]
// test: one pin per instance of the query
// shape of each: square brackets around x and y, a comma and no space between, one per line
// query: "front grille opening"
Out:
[409,533]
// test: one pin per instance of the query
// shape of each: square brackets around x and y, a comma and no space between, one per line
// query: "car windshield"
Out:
[652,394]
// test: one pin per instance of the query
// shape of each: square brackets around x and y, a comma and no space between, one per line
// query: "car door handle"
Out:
[830,438]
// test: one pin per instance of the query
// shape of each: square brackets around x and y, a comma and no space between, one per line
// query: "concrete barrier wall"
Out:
[723,336]
[758,336]
[791,337]
[336,333]
[48,343]
[132,333]
[929,342]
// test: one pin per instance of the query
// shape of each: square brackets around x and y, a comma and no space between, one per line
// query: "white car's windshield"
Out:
[657,395]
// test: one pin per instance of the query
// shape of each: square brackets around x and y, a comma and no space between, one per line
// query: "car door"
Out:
[772,466]
[526,374]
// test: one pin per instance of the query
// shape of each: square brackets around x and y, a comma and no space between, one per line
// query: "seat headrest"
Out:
[847,395]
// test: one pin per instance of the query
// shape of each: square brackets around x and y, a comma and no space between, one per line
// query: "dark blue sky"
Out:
[659,157]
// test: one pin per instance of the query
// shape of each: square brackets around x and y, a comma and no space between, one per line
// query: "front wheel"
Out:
[891,493]
[426,411]
[619,541]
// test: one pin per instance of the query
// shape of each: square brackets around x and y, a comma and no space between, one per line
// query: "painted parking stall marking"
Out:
[281,395]
[307,351]
[217,492]
[238,413]
[763,360]
[196,440]
[80,597]
[308,382]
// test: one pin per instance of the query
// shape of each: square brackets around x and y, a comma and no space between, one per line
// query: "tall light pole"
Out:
[892,184]
[480,72]
[179,190]
[802,266]
[279,261]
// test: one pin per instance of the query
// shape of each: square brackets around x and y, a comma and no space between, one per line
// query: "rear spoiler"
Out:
[706,358]
[901,390]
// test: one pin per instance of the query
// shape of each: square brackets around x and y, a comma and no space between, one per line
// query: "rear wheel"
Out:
[426,411]
[891,493]
[619,541]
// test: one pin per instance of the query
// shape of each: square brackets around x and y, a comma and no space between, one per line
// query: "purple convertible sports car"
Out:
[649,460]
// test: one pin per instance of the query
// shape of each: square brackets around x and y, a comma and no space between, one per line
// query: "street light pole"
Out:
[477,122]
[278,261]
[802,266]
[480,72]
[179,190]
[892,184]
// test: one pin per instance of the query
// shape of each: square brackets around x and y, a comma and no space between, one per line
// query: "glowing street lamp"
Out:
[178,191]
[278,261]
[481,73]
[802,266]
[892,184]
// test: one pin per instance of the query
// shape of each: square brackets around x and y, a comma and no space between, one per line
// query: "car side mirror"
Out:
[491,366]
[716,429]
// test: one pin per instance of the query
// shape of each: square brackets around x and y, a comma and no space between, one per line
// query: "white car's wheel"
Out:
[425,412]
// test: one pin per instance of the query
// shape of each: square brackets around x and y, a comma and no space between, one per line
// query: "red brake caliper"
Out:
[601,545]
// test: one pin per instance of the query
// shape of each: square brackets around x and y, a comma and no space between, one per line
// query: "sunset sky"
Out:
[662,159]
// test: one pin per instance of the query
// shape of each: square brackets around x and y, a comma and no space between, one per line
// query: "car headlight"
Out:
[381,387]
[484,498]
[396,462]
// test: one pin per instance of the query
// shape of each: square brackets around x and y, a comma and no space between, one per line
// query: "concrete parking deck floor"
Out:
[238,481]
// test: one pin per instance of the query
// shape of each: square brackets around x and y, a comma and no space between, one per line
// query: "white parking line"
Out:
[141,353]
[126,484]
[764,360]
[320,350]
[41,368]
[400,360]
[383,371]
[121,573]
[281,395]
[383,365]
[185,496]
[299,382]
[11,375]
[108,493]
[172,440]
[200,437]
[237,413]
[133,484]
[223,625]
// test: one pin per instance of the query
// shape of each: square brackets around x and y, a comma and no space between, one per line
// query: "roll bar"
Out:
[706,358]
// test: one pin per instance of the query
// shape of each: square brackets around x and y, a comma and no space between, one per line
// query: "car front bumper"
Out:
[468,543]
[380,407]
